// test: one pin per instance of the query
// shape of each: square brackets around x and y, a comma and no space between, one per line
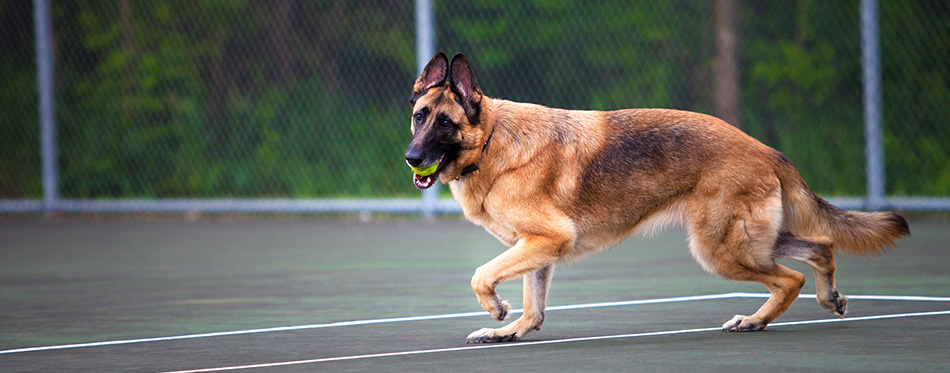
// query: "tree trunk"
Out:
[279,33]
[218,82]
[727,62]
[128,48]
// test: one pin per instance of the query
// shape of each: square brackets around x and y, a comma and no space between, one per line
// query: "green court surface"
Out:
[128,295]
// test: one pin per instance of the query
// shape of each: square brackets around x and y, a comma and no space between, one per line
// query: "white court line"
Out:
[448,316]
[913,298]
[567,340]
[365,322]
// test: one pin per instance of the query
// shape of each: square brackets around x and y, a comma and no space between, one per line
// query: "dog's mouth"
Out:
[424,182]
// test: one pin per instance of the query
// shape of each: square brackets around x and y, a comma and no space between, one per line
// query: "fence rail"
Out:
[361,205]
[278,94]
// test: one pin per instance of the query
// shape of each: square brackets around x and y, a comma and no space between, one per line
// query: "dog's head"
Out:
[446,120]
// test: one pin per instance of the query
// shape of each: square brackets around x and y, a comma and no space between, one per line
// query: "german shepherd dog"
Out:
[555,185]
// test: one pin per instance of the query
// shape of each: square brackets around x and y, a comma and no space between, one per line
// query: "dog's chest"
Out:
[474,207]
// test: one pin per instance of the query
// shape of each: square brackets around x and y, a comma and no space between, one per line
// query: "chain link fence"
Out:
[159,100]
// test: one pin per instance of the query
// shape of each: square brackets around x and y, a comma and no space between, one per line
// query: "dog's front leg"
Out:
[533,258]
[536,285]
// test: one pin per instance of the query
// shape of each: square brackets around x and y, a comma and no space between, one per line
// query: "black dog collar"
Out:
[474,166]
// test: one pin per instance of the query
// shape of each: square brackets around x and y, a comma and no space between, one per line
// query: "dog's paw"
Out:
[836,304]
[741,323]
[488,335]
[500,312]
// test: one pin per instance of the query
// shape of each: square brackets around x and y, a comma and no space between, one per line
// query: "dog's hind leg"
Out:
[783,283]
[816,252]
[536,285]
[736,240]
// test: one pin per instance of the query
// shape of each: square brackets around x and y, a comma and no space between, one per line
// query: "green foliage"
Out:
[916,92]
[180,101]
[249,98]
[19,122]
[19,164]
[802,96]
[536,51]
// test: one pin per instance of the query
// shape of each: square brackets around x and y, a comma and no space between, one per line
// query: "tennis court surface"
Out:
[339,295]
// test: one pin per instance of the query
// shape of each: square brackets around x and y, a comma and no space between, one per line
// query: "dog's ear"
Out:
[463,79]
[433,75]
[463,83]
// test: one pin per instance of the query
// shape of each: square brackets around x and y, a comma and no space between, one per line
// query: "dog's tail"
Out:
[856,232]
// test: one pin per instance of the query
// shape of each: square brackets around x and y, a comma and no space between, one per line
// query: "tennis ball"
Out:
[425,171]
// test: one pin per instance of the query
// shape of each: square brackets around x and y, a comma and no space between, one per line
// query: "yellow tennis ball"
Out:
[425,171]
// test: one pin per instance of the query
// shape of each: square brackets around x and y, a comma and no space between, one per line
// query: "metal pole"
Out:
[44,80]
[425,49]
[873,134]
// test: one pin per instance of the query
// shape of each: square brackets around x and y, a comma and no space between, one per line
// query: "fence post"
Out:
[425,49]
[873,133]
[44,81]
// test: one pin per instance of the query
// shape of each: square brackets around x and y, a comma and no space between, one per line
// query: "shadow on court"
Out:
[76,282]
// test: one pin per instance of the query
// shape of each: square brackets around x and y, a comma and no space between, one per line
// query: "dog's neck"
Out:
[474,166]
[488,120]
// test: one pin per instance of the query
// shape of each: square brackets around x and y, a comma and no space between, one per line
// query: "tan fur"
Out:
[556,185]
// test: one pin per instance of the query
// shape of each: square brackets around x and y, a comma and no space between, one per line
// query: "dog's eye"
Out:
[418,117]
[446,123]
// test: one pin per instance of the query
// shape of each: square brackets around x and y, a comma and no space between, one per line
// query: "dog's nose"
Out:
[414,157]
